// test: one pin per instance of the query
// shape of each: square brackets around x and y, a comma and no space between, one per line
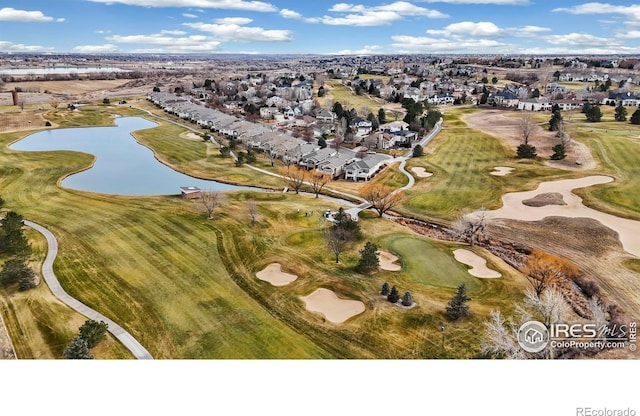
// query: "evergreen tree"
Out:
[526,151]
[16,270]
[322,142]
[558,152]
[457,307]
[77,350]
[12,239]
[350,227]
[407,300]
[635,117]
[369,258]
[382,117]
[418,151]
[555,121]
[393,296]
[385,289]
[93,332]
[594,114]
[621,113]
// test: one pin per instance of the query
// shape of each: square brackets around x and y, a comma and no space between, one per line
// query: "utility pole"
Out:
[442,330]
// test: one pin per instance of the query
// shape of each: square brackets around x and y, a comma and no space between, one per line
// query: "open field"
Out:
[338,92]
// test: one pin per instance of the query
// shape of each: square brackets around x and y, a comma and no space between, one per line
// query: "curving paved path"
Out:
[47,272]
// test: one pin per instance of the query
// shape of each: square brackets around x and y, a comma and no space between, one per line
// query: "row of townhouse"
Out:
[353,164]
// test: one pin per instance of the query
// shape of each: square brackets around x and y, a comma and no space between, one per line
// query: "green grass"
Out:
[342,94]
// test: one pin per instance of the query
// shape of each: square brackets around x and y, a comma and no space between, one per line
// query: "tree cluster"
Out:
[90,334]
[342,233]
[393,296]
[14,243]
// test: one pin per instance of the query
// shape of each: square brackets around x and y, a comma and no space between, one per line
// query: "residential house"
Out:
[366,167]
[535,104]
[190,192]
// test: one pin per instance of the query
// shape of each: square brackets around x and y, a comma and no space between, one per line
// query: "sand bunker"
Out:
[421,172]
[273,274]
[388,261]
[333,308]
[513,208]
[478,264]
[501,171]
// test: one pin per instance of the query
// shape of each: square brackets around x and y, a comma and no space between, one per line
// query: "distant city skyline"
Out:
[320,27]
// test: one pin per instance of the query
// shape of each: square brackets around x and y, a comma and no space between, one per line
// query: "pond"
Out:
[122,165]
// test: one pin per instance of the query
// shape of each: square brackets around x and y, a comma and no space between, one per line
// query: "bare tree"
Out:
[550,308]
[337,239]
[501,338]
[318,179]
[211,200]
[472,227]
[543,270]
[294,176]
[252,210]
[382,198]
[527,125]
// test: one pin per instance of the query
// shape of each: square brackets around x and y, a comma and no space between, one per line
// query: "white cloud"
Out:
[190,16]
[633,34]
[291,14]
[487,30]
[580,39]
[497,2]
[234,32]
[234,20]
[579,51]
[95,48]
[163,42]
[377,15]
[366,50]
[19,47]
[256,6]
[474,29]
[602,8]
[8,14]
[418,44]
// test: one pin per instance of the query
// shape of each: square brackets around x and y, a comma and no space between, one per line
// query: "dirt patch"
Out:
[541,200]
[6,347]
[334,309]
[16,120]
[505,126]
[273,274]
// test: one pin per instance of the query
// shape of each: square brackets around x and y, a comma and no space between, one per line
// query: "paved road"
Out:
[47,272]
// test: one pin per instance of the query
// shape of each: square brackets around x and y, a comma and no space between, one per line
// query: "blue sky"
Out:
[320,27]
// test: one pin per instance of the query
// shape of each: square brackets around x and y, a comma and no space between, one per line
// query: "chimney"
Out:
[14,95]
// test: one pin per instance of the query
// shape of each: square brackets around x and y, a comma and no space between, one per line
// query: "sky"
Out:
[320,27]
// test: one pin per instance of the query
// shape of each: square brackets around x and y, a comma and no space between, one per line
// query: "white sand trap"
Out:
[273,274]
[333,308]
[501,171]
[388,261]
[513,208]
[478,264]
[421,172]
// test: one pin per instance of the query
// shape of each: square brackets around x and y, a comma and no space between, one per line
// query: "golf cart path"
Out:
[52,281]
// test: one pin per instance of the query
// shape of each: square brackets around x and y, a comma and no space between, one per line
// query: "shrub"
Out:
[558,152]
[407,300]
[393,296]
[385,289]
